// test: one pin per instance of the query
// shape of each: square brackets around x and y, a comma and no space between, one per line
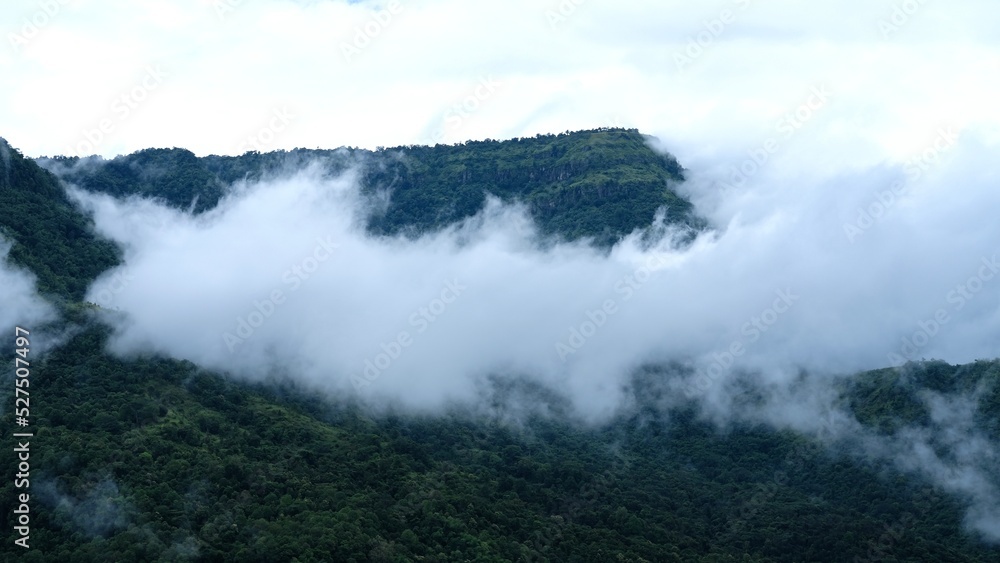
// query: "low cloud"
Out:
[20,304]
[282,279]
[98,512]
[283,276]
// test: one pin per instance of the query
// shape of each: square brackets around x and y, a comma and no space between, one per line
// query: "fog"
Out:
[843,155]
[826,273]
[21,304]
[831,274]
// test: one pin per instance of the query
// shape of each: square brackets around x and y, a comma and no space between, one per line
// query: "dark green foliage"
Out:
[48,235]
[889,399]
[179,460]
[149,459]
[603,183]
[881,400]
[175,176]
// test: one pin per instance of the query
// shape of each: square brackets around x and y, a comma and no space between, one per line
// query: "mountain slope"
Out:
[156,460]
[151,459]
[49,235]
[603,183]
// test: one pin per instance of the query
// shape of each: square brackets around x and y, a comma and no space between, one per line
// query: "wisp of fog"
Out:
[803,270]
[22,306]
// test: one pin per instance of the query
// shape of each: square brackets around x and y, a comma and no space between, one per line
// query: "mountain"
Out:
[49,236]
[602,183]
[156,459]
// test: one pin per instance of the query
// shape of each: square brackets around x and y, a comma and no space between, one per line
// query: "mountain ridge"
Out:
[155,459]
[601,183]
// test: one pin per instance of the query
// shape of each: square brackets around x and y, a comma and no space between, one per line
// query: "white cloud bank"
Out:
[844,152]
[833,273]
[825,272]
[161,73]
[20,304]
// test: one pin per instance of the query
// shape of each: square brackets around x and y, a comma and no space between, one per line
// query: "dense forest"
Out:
[156,459]
[602,183]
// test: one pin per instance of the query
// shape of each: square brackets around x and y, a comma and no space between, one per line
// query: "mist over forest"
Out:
[702,284]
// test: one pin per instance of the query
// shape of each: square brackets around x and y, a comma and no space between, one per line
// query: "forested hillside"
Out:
[155,459]
[49,236]
[601,183]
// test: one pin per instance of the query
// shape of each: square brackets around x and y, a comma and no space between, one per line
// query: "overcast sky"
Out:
[707,77]
[844,153]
